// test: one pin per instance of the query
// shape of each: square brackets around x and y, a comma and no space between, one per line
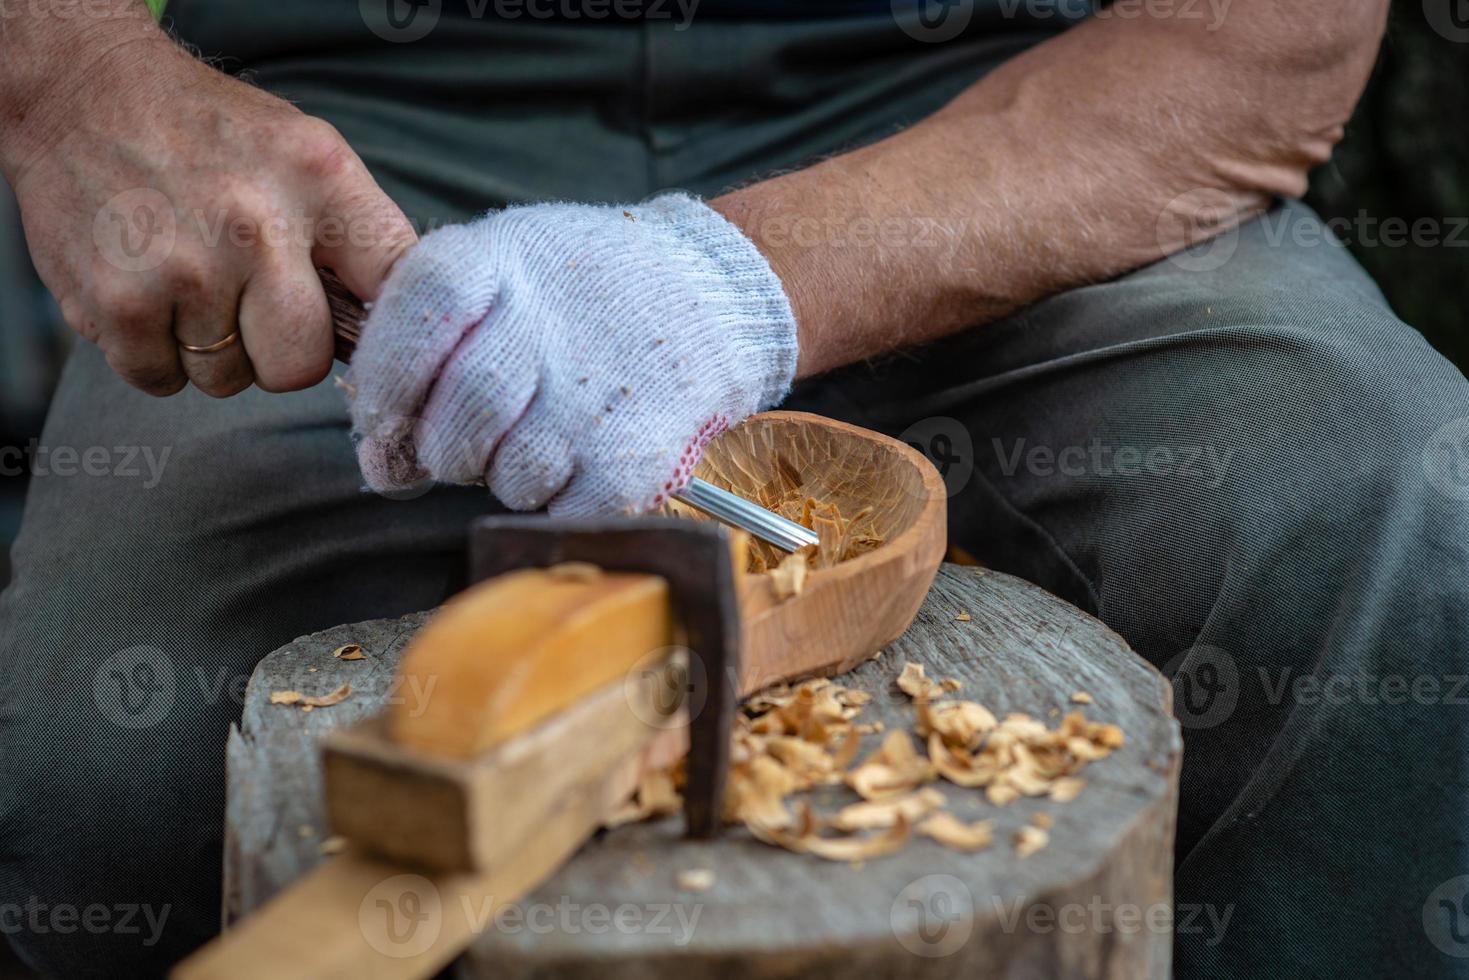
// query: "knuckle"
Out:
[78,316]
[322,152]
[245,203]
[188,280]
[154,379]
[134,313]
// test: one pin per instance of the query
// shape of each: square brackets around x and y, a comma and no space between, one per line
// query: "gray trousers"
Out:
[1240,459]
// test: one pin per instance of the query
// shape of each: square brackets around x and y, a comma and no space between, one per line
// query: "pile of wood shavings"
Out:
[795,738]
[841,537]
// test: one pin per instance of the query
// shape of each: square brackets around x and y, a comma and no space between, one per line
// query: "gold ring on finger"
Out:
[211,348]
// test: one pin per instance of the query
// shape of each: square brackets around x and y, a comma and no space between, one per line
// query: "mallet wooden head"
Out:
[694,558]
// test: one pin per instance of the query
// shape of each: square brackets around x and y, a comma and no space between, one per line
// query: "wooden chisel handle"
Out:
[347,314]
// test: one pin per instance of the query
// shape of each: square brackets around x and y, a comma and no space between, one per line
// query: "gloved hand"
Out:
[571,356]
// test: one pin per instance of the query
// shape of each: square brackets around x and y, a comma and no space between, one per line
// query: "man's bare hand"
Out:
[166,203]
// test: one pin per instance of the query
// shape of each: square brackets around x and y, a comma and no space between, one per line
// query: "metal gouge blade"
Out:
[347,316]
[738,512]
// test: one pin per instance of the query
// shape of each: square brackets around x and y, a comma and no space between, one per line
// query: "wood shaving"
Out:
[695,879]
[917,684]
[333,845]
[876,815]
[1019,756]
[840,537]
[846,753]
[1001,794]
[306,703]
[789,577]
[961,723]
[1028,840]
[950,831]
[793,738]
[1066,789]
[959,768]
[813,711]
[894,769]
[352,651]
[962,617]
[806,838]
[327,700]
[656,796]
[1081,697]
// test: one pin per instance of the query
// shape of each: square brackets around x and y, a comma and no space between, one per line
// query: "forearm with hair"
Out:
[51,51]
[1094,153]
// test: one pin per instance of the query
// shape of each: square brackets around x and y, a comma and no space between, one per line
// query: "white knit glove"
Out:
[570,356]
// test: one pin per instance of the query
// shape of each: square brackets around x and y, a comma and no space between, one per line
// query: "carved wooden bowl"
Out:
[887,491]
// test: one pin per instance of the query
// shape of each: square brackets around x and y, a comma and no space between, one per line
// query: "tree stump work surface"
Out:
[1096,902]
